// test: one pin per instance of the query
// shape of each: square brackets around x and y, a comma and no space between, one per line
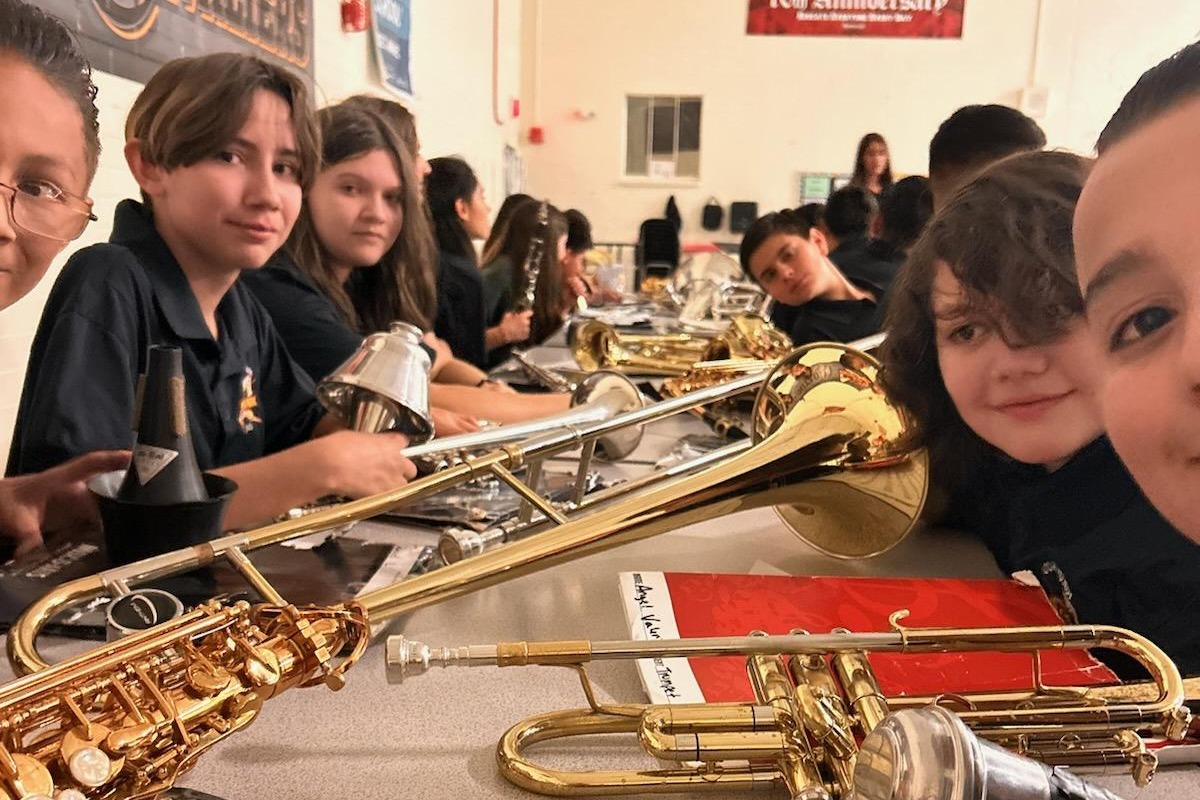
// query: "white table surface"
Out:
[435,736]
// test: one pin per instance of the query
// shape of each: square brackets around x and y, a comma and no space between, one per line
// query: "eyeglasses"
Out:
[45,210]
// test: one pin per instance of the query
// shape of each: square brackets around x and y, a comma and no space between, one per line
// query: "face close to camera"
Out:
[42,149]
[1035,403]
[1138,248]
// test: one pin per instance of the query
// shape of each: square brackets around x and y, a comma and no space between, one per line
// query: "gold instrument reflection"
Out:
[820,418]
[815,697]
[125,719]
[597,345]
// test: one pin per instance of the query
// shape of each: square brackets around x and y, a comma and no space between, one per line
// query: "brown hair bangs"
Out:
[193,107]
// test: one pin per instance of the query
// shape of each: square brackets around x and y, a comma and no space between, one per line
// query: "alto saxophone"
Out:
[124,720]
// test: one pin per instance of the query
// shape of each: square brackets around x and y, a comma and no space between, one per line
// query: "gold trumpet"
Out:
[826,439]
[814,696]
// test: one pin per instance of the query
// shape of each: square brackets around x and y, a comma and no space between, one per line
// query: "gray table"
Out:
[434,737]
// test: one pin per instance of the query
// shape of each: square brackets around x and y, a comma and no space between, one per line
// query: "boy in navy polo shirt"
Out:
[222,147]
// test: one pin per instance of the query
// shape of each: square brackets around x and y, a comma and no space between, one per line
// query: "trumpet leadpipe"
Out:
[1163,715]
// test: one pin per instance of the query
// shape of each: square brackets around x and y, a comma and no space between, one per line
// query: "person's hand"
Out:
[578,287]
[440,346]
[363,464]
[33,506]
[449,423]
[514,326]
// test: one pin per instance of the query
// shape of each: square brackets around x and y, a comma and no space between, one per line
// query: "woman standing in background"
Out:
[872,165]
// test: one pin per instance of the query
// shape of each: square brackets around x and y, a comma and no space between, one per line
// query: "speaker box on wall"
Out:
[742,215]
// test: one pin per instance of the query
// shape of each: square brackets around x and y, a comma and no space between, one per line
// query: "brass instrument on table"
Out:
[800,732]
[827,444]
[125,719]
[597,345]
[707,288]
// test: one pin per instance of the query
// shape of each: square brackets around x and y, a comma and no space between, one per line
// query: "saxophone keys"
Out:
[262,667]
[87,763]
[32,779]
[207,679]
[130,737]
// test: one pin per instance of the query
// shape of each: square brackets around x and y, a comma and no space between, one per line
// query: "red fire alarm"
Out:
[516,107]
[355,16]
[537,134]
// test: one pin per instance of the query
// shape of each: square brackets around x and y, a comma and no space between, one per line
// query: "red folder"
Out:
[686,605]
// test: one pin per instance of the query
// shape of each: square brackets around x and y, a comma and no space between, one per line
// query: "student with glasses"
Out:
[49,147]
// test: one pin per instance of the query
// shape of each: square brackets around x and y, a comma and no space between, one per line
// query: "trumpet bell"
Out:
[384,386]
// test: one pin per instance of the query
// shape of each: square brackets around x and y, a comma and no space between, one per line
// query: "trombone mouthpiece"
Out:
[407,657]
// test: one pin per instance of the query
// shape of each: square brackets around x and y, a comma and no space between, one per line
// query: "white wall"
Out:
[452,77]
[776,106]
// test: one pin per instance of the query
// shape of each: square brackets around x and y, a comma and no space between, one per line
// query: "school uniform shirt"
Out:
[460,318]
[497,301]
[873,264]
[828,320]
[1096,544]
[317,336]
[246,398]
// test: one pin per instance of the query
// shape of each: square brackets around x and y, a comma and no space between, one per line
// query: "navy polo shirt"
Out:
[246,398]
[828,320]
[315,332]
[1095,543]
[460,318]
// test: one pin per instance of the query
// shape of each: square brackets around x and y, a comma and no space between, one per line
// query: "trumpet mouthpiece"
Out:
[407,657]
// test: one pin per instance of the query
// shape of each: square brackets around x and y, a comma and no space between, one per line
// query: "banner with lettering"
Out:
[133,38]
[393,33]
[929,19]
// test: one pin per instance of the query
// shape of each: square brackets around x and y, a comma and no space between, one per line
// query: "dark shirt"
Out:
[827,320]
[460,319]
[497,301]
[245,396]
[1096,545]
[869,263]
[315,332]
[312,328]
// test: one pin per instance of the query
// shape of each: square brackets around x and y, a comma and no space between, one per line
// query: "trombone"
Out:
[815,695]
[826,439]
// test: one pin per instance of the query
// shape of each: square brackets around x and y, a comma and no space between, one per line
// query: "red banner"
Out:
[931,19]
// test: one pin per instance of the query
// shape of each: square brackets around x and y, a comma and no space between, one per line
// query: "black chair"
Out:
[657,251]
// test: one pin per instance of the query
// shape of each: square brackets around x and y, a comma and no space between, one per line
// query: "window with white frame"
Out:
[662,138]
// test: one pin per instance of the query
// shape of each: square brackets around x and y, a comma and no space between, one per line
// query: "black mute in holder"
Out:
[134,531]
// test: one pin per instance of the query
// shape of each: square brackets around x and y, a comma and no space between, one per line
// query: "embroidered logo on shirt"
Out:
[248,410]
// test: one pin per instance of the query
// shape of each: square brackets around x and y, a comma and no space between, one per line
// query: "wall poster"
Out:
[929,19]
[132,38]
[392,29]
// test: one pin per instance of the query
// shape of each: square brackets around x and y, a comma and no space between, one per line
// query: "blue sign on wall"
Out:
[392,27]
